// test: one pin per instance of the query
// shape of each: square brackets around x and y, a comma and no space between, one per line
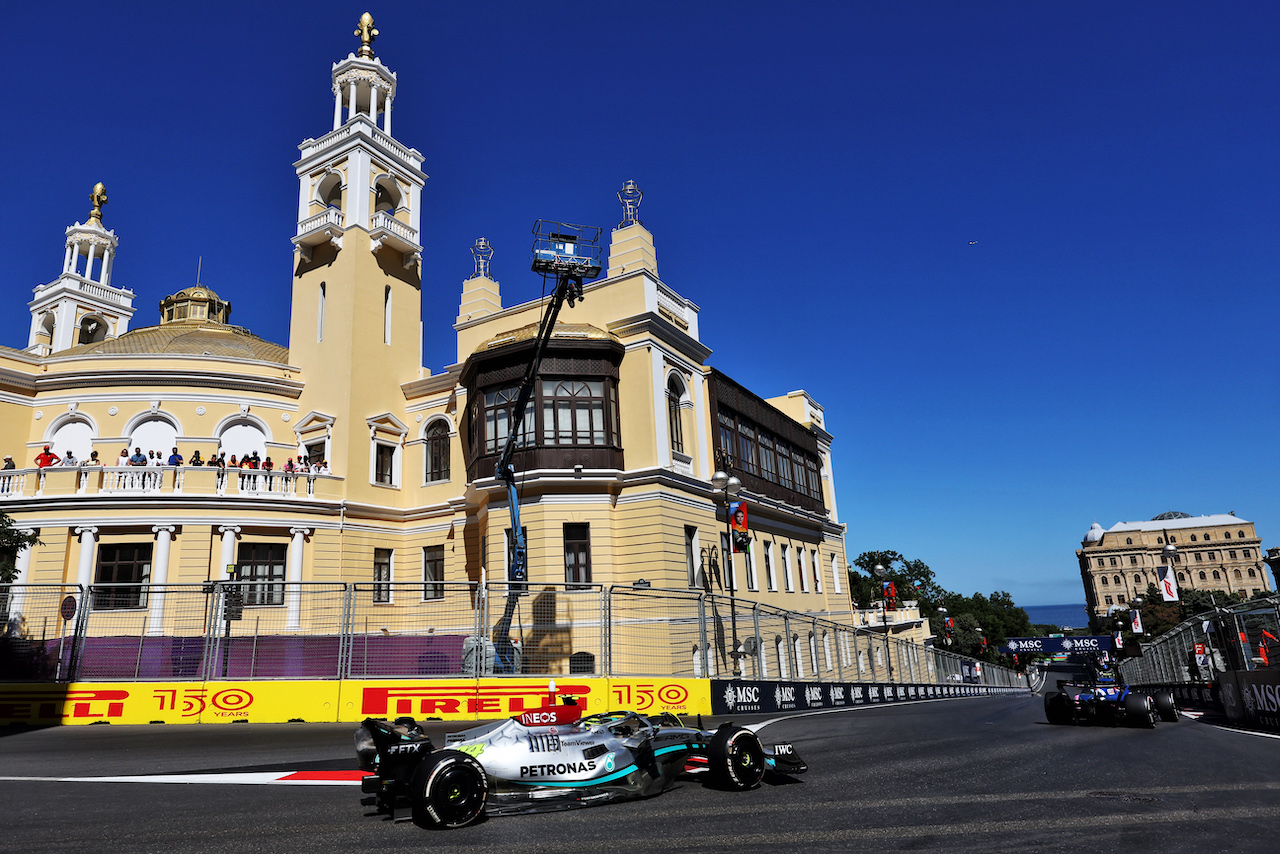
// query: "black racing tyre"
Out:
[1140,710]
[449,789]
[735,759]
[1166,707]
[1057,708]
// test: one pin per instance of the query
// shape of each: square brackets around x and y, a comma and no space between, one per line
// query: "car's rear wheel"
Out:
[1140,710]
[1057,708]
[1165,706]
[735,759]
[449,789]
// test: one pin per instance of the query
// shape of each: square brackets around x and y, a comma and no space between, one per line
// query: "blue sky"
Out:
[1023,253]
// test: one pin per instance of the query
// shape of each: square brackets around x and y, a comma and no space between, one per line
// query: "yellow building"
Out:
[1218,552]
[626,427]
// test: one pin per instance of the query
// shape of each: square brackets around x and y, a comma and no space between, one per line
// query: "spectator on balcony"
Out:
[233,464]
[322,467]
[289,466]
[8,463]
[47,458]
[255,461]
[123,459]
[175,459]
[267,465]
[92,461]
[195,459]
[138,458]
[70,459]
[154,459]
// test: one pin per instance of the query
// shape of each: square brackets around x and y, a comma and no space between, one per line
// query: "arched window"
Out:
[320,312]
[675,393]
[386,315]
[1240,534]
[1238,575]
[1181,577]
[329,193]
[74,434]
[1116,580]
[1104,581]
[156,433]
[1137,579]
[437,451]
[574,413]
[1128,541]
[1193,538]
[242,436]
[386,195]
[1217,576]
[1226,535]
[92,329]
[1252,573]
[1204,577]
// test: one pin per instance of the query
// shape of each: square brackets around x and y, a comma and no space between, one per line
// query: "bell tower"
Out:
[81,306]
[356,318]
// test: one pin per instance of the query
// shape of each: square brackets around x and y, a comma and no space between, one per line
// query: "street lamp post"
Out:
[946,635]
[879,572]
[729,486]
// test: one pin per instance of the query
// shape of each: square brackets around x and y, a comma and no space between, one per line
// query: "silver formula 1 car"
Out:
[552,758]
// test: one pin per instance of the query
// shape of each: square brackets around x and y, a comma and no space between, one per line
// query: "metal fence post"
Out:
[702,635]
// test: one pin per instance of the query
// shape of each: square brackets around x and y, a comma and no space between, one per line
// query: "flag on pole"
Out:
[1135,621]
[1168,583]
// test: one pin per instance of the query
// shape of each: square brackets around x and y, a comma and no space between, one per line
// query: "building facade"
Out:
[1218,552]
[626,427]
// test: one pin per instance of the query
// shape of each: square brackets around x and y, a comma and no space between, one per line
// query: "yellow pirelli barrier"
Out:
[352,700]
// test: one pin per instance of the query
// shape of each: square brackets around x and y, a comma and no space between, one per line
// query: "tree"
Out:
[12,541]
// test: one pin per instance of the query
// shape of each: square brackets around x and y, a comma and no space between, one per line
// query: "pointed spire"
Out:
[367,34]
[99,198]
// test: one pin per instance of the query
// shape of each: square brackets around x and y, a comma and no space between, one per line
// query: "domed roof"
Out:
[1095,533]
[1171,514]
[207,339]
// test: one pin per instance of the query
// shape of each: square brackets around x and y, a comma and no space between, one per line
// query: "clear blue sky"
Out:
[1023,253]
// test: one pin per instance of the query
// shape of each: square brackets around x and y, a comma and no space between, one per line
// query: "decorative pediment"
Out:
[313,422]
[386,424]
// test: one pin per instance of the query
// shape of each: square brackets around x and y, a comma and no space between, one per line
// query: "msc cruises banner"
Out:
[738,696]
[1250,698]
[1091,643]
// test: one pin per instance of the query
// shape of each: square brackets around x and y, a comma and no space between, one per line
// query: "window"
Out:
[1203,577]
[1199,556]
[386,315]
[1248,552]
[315,451]
[787,573]
[384,463]
[1113,561]
[1252,573]
[1206,537]
[436,452]
[1240,534]
[432,572]
[126,563]
[320,314]
[1211,555]
[1120,598]
[1104,581]
[728,582]
[817,573]
[747,447]
[691,556]
[768,461]
[1193,538]
[1226,534]
[752,581]
[1137,579]
[1231,554]
[262,563]
[803,570]
[1182,577]
[1116,579]
[1128,541]
[1237,575]
[498,413]
[381,576]
[574,413]
[577,553]
[1109,602]
[1173,539]
[726,432]
[674,392]
[1100,562]
[769,577]
[784,464]
[1133,560]
[1217,576]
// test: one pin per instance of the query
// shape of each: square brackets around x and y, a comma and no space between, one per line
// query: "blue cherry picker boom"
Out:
[570,253]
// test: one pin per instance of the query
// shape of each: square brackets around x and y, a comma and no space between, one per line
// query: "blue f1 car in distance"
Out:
[1103,699]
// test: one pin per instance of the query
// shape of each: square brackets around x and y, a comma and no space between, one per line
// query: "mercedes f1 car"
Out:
[1103,699]
[552,758]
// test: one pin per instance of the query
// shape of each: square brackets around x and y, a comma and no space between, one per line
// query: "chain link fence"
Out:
[1241,637]
[251,630]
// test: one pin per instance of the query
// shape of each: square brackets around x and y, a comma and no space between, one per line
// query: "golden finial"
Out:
[99,198]
[367,34]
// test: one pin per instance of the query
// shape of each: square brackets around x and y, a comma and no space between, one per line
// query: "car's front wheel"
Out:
[1057,708]
[735,759]
[449,789]
[1165,706]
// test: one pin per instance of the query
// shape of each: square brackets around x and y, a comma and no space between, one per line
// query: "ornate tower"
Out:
[356,319]
[81,306]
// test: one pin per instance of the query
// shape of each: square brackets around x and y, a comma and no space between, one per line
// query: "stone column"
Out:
[22,564]
[386,115]
[229,533]
[351,101]
[88,264]
[159,576]
[88,539]
[68,259]
[293,593]
[337,107]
